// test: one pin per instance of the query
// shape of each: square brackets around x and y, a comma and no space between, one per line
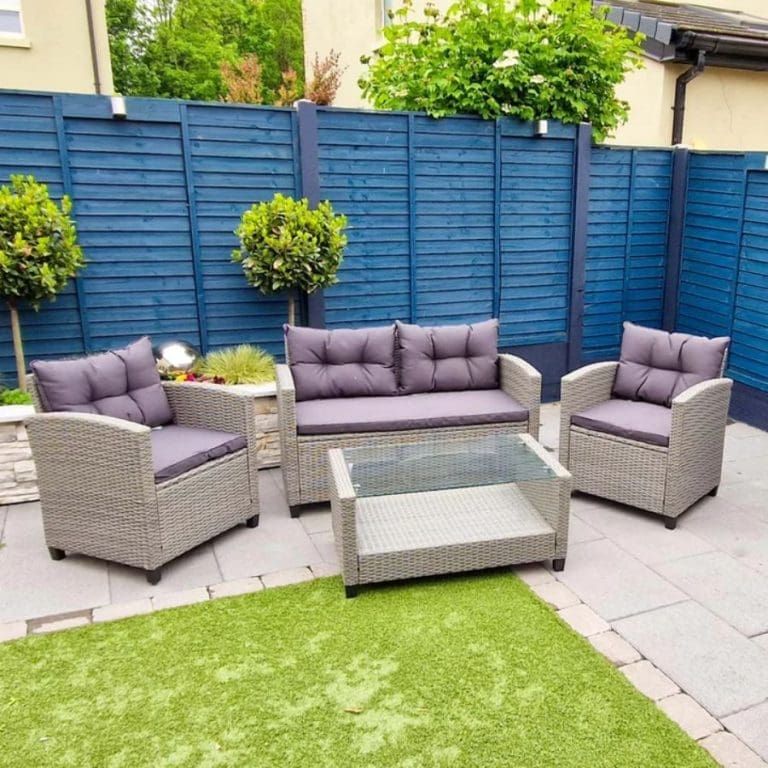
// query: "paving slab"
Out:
[34,585]
[3,514]
[745,448]
[615,648]
[321,570]
[122,610]
[739,429]
[12,631]
[751,726]
[710,660]
[289,576]
[57,625]
[613,582]
[197,568]
[533,574]
[762,641]
[325,544]
[177,599]
[316,519]
[690,716]
[272,501]
[651,682]
[556,594]
[725,586]
[579,531]
[730,752]
[237,587]
[747,493]
[584,620]
[641,534]
[278,544]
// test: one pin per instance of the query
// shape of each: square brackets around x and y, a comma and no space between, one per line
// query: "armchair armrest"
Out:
[343,516]
[520,380]
[289,444]
[580,389]
[695,459]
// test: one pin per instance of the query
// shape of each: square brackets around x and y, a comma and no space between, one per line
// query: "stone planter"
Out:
[265,396]
[18,477]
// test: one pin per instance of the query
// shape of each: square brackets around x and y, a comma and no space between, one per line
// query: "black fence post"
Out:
[306,114]
[677,197]
[579,257]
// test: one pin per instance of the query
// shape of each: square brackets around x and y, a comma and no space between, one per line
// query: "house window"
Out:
[10,18]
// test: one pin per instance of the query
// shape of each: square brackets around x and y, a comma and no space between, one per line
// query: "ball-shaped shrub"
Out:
[286,246]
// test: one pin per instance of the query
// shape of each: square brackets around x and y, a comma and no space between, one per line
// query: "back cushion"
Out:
[656,366]
[448,358]
[341,363]
[123,383]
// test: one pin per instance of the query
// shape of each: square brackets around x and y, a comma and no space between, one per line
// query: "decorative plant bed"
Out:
[18,477]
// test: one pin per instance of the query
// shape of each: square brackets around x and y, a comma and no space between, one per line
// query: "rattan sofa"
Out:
[663,479]
[98,490]
[304,458]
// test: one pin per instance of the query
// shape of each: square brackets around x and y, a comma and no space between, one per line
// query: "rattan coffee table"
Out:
[436,506]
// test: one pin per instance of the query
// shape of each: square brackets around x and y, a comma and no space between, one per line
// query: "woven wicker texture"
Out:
[97,488]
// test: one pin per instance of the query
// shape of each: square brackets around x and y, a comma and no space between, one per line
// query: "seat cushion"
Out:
[631,419]
[448,358]
[419,411]
[176,449]
[123,383]
[657,366]
[342,363]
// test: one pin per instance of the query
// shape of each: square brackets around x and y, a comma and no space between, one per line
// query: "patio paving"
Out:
[693,602]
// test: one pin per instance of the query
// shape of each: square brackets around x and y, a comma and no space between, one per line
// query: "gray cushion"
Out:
[176,450]
[342,363]
[418,411]
[657,366]
[631,419]
[448,358]
[123,383]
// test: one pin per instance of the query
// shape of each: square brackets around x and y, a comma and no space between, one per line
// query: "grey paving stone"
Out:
[325,544]
[289,576]
[690,716]
[579,531]
[762,641]
[725,586]
[276,545]
[12,631]
[720,668]
[730,752]
[3,514]
[176,599]
[584,620]
[738,429]
[321,570]
[615,648]
[33,585]
[747,493]
[549,430]
[316,519]
[556,594]
[122,610]
[641,534]
[197,568]
[613,582]
[650,681]
[272,501]
[236,587]
[745,448]
[533,574]
[57,625]
[751,726]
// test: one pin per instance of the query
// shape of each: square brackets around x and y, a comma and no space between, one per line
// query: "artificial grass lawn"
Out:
[469,671]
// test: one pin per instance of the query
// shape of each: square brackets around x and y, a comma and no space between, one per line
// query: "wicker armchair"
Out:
[666,480]
[305,457]
[98,491]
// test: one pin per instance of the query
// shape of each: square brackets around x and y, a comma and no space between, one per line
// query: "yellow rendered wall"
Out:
[55,52]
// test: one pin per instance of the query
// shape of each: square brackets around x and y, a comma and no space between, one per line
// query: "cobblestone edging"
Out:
[699,724]
[18,477]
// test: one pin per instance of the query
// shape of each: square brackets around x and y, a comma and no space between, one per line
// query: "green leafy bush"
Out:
[287,246]
[15,397]
[531,60]
[38,251]
[243,364]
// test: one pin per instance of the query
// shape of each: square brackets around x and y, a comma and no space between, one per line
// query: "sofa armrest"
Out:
[343,516]
[520,380]
[582,389]
[695,459]
[289,444]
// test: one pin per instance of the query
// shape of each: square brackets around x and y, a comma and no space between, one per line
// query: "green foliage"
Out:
[244,364]
[284,245]
[38,243]
[530,60]
[15,397]
[175,48]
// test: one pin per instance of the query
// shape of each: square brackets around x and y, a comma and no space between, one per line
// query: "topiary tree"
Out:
[287,246]
[530,59]
[39,253]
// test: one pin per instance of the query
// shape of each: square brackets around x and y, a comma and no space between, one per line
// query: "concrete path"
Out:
[684,613]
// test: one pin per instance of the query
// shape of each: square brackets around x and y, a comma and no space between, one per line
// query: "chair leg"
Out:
[558,564]
[153,577]
[252,522]
[714,491]
[350,590]
[670,523]
[56,553]
[295,510]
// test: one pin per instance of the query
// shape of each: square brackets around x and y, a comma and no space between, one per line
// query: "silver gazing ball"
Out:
[175,356]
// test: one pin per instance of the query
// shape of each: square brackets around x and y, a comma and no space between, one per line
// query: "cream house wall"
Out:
[55,52]
[725,108]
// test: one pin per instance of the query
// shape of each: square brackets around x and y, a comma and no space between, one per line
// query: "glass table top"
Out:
[434,464]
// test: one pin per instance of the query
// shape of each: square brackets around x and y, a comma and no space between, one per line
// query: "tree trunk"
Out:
[291,309]
[18,346]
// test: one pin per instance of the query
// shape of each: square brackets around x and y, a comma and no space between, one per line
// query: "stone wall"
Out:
[18,478]
[269,438]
